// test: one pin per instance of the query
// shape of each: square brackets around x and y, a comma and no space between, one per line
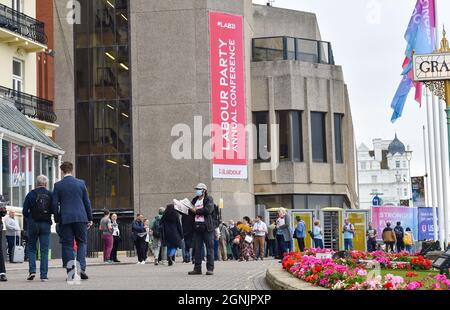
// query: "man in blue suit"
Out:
[73,213]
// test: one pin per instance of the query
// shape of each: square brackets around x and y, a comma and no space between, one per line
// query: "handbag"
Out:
[248,239]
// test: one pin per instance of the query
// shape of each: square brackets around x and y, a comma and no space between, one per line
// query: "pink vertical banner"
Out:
[228,108]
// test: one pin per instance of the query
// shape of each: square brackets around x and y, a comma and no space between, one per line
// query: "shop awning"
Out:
[12,121]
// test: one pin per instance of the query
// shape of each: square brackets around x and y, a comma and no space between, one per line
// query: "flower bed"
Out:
[352,274]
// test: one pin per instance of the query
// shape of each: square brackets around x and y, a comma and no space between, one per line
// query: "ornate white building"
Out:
[384,171]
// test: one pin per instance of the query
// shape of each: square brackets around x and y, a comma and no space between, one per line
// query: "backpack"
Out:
[407,240]
[398,233]
[157,228]
[42,210]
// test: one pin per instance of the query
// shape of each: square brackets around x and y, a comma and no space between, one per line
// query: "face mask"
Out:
[198,192]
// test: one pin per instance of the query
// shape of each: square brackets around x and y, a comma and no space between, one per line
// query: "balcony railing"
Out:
[29,105]
[22,24]
[288,48]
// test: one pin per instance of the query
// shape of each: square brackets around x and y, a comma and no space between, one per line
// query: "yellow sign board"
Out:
[307,217]
[359,220]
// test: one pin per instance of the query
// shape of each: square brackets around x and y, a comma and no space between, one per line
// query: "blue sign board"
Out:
[426,227]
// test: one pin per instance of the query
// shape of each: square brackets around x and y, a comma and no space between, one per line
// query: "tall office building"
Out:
[132,73]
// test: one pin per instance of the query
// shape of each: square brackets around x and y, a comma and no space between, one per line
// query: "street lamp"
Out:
[408,158]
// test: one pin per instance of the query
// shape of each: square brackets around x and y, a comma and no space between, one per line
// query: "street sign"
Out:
[431,67]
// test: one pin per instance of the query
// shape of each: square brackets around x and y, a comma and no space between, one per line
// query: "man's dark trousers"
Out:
[2,260]
[202,236]
[69,233]
[12,241]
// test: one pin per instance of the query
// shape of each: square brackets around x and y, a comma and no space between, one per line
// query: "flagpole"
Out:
[438,148]
[432,175]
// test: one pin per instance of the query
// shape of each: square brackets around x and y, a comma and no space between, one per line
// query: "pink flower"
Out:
[415,285]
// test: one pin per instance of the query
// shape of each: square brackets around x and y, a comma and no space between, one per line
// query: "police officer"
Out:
[203,229]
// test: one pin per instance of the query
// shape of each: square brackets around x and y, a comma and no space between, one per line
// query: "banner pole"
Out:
[432,175]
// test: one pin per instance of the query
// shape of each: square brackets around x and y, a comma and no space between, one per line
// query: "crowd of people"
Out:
[200,233]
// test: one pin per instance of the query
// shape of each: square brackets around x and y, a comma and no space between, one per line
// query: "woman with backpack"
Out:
[172,232]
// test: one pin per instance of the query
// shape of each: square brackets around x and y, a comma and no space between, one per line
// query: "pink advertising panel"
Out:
[228,96]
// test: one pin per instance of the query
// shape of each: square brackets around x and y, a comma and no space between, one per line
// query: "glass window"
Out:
[338,138]
[103,108]
[324,52]
[83,128]
[363,166]
[278,201]
[300,202]
[318,133]
[125,184]
[37,164]
[124,127]
[261,120]
[123,73]
[6,170]
[82,74]
[82,29]
[337,201]
[111,129]
[268,49]
[397,164]
[307,51]
[98,128]
[374,179]
[98,182]
[83,170]
[284,134]
[111,182]
[290,48]
[317,202]
[297,136]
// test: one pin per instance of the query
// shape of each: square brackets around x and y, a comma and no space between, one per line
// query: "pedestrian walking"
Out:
[3,213]
[300,233]
[12,233]
[156,232]
[107,237]
[139,235]
[371,235]
[408,240]
[348,232]
[73,212]
[172,232]
[260,231]
[117,238]
[389,238]
[203,229]
[283,233]
[317,235]
[399,234]
[37,209]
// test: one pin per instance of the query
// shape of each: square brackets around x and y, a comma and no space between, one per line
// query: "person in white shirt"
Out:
[260,231]
[12,233]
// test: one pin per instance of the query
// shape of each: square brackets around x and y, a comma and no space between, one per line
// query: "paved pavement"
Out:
[229,275]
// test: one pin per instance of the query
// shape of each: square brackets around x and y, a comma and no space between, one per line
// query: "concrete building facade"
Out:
[291,80]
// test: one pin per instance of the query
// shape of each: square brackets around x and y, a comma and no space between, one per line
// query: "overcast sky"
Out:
[367,40]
